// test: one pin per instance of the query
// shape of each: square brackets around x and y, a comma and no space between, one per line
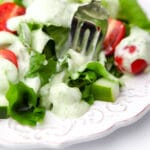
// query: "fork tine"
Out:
[95,45]
[88,27]
[76,29]
[84,41]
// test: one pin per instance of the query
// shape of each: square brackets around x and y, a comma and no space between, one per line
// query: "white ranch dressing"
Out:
[12,42]
[55,12]
[8,73]
[66,100]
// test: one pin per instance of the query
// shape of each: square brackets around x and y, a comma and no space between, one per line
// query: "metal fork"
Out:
[88,28]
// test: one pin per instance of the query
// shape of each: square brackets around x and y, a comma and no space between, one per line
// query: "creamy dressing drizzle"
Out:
[66,100]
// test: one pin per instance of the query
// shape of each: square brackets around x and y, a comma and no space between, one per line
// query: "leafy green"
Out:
[86,77]
[23,104]
[83,82]
[110,66]
[41,67]
[3,112]
[36,62]
[19,2]
[46,71]
[87,94]
[92,72]
[1,1]
[131,12]
[128,11]
[24,32]
[60,36]
[34,25]
[49,50]
[100,70]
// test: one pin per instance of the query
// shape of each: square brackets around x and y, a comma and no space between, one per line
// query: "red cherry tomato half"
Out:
[9,55]
[7,11]
[115,33]
[138,66]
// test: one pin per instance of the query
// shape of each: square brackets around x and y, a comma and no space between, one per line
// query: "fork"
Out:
[88,29]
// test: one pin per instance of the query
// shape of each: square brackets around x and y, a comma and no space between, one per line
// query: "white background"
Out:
[133,137]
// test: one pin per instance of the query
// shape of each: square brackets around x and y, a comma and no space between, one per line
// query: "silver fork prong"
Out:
[75,44]
[88,27]
[94,47]
[84,42]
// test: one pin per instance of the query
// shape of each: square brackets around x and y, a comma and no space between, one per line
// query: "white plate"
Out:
[101,120]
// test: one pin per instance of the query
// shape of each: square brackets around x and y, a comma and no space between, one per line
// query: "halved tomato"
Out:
[115,33]
[7,11]
[138,66]
[9,55]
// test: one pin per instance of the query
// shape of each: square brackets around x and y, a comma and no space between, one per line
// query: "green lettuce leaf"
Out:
[128,11]
[60,36]
[19,2]
[92,72]
[101,71]
[132,13]
[49,50]
[23,104]
[84,83]
[41,67]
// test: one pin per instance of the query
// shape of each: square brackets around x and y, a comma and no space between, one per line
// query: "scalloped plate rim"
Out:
[92,137]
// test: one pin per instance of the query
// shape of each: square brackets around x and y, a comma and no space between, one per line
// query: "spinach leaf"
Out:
[23,104]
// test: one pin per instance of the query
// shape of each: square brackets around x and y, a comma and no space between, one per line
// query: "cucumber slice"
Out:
[105,90]
[3,107]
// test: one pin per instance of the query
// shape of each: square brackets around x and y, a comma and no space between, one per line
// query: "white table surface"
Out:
[133,137]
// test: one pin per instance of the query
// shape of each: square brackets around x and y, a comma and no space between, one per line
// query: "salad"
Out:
[39,71]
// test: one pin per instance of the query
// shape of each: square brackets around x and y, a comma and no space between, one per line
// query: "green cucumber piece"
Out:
[3,107]
[105,90]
